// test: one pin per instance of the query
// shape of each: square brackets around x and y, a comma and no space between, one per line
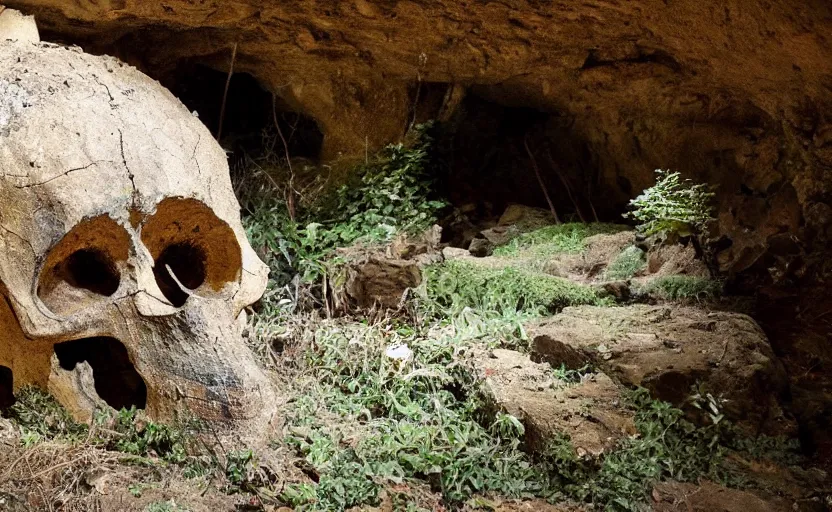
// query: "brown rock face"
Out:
[381,282]
[738,95]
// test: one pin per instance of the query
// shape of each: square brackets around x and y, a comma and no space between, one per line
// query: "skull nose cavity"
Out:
[194,252]
[84,266]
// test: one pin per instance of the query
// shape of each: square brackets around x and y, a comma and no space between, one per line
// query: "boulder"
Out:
[481,247]
[526,218]
[14,26]
[516,220]
[378,281]
[589,412]
[669,350]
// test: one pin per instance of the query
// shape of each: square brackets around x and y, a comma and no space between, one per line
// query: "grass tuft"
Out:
[456,285]
[559,238]
[683,288]
[626,264]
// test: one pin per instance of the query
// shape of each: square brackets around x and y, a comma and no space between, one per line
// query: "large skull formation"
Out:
[120,244]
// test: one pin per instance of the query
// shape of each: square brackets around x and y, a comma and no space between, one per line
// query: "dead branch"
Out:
[290,195]
[225,92]
[556,168]
[540,180]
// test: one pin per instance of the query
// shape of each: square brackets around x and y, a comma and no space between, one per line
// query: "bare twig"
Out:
[225,92]
[290,196]
[540,180]
[565,184]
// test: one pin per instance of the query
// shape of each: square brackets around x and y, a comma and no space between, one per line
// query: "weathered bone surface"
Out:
[121,244]
[16,26]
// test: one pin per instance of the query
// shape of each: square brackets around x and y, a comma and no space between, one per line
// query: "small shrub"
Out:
[683,287]
[456,285]
[626,264]
[672,207]
[559,238]
[140,436]
[390,194]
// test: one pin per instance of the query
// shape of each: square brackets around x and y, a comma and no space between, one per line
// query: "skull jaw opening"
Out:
[94,373]
[115,379]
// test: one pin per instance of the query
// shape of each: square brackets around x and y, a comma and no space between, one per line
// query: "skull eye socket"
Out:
[84,266]
[90,269]
[194,251]
[180,262]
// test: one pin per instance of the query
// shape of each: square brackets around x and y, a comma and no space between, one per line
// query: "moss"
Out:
[458,284]
[626,264]
[560,238]
[683,287]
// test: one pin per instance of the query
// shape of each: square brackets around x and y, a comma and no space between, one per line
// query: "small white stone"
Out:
[399,352]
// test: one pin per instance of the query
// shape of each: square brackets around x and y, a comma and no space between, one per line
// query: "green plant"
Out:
[398,421]
[563,374]
[138,435]
[41,417]
[165,506]
[559,238]
[672,207]
[417,427]
[455,285]
[298,494]
[240,468]
[393,195]
[668,447]
[626,264]
[683,287]
[507,426]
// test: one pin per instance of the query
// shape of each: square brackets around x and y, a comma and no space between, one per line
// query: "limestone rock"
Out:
[455,253]
[526,218]
[516,220]
[670,349]
[590,413]
[675,259]
[601,250]
[500,235]
[75,390]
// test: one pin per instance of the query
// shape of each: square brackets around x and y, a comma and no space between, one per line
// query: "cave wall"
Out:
[737,93]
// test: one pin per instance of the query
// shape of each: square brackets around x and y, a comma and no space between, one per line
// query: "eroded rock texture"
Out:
[738,93]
